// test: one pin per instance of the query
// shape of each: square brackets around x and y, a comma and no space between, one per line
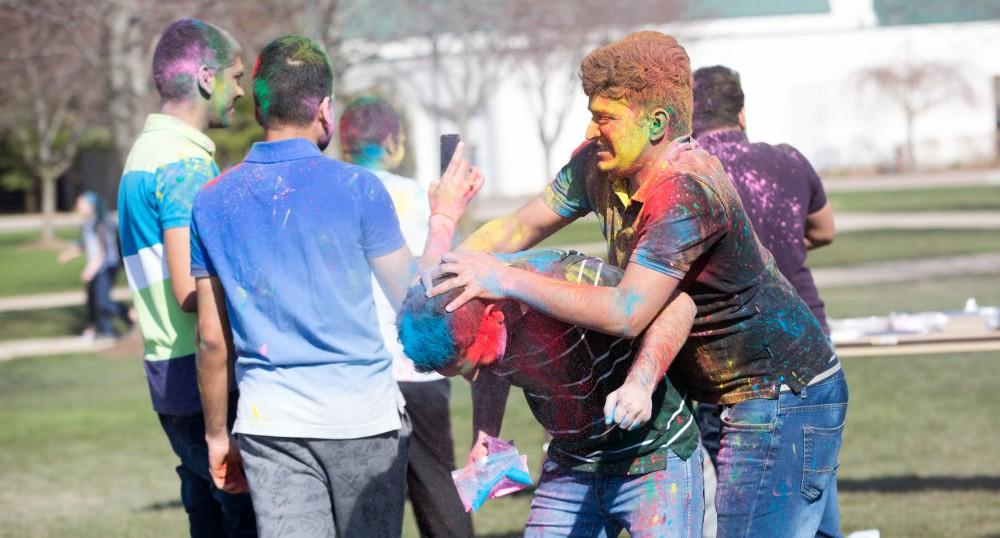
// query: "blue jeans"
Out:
[778,463]
[211,512]
[101,309]
[663,503]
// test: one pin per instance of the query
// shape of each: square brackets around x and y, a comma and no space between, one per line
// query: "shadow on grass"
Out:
[914,484]
[159,506]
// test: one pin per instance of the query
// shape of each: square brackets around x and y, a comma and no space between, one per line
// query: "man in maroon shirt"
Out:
[781,193]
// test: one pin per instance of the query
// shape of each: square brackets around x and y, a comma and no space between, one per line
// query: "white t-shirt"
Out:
[414,211]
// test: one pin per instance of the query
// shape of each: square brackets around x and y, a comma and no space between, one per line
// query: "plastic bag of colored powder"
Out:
[501,472]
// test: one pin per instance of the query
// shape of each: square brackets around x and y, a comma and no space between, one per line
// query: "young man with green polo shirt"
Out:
[624,451]
[197,70]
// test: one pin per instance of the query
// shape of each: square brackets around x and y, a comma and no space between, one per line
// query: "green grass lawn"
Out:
[31,270]
[854,247]
[42,323]
[946,199]
[81,453]
[65,321]
[852,301]
[28,269]
[866,246]
[942,294]
[862,246]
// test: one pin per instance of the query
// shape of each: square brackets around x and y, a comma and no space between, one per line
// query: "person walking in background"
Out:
[781,193]
[371,136]
[99,241]
[197,70]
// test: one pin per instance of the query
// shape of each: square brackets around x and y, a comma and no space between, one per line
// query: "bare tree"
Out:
[547,69]
[49,93]
[917,88]
[553,38]
[468,53]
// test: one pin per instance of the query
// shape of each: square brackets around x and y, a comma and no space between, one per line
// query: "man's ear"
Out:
[659,120]
[325,114]
[206,81]
[391,145]
[741,118]
[491,338]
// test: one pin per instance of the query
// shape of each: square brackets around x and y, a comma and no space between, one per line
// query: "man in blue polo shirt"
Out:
[283,247]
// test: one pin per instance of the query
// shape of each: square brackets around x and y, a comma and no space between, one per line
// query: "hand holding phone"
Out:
[448,144]
[450,195]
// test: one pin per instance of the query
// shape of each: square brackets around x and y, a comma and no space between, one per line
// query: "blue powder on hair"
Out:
[427,339]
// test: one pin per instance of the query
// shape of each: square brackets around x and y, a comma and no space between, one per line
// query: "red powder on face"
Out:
[490,339]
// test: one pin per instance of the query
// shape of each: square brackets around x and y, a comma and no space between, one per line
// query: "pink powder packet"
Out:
[503,471]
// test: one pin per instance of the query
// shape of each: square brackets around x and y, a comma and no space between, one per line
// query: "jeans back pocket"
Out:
[821,447]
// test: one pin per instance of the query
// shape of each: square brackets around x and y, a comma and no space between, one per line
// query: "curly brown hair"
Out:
[649,69]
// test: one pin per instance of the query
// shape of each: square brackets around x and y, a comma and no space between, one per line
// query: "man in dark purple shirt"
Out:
[781,192]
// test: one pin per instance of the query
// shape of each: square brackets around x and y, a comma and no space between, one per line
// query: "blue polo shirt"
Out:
[290,235]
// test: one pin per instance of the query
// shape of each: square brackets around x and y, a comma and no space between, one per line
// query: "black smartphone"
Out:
[448,144]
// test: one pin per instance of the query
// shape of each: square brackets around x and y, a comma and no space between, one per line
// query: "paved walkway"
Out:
[33,347]
[907,271]
[39,301]
[828,277]
[944,220]
[914,180]
[30,222]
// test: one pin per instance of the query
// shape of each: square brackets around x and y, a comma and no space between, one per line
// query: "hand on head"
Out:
[478,272]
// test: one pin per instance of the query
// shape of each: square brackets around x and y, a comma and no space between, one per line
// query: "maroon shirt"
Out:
[779,189]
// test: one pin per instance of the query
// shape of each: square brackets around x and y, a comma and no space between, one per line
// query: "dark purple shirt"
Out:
[779,189]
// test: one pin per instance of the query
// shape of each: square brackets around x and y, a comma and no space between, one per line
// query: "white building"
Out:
[799,61]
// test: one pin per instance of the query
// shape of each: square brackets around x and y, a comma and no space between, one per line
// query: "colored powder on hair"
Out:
[427,340]
[306,51]
[262,94]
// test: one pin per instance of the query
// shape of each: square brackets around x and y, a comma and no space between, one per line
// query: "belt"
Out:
[820,376]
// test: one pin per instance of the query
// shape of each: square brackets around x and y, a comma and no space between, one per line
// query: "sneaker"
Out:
[88,334]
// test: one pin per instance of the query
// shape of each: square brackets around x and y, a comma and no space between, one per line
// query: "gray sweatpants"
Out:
[327,487]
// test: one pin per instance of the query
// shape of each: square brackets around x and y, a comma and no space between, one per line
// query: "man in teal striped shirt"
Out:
[197,70]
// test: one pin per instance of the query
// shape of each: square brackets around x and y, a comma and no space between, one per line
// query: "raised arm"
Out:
[631,405]
[625,310]
[449,196]
[520,230]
